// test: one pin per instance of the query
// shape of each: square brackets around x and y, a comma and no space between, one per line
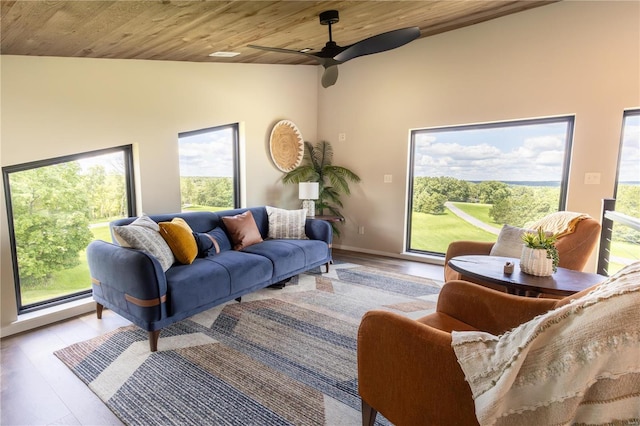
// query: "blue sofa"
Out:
[133,284]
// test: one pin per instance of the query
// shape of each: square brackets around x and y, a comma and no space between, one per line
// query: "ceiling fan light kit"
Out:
[332,55]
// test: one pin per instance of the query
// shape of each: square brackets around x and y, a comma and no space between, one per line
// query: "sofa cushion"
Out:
[179,237]
[212,242]
[144,234]
[245,270]
[290,256]
[191,286]
[287,224]
[242,230]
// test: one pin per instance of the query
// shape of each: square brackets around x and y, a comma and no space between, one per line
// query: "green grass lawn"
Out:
[479,211]
[435,232]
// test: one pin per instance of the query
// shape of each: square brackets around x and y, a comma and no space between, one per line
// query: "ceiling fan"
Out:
[332,55]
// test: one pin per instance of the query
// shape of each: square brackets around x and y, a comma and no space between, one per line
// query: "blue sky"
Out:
[630,164]
[532,152]
[207,154]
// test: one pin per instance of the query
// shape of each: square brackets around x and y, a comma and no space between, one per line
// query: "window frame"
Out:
[566,162]
[627,113]
[235,134]
[127,151]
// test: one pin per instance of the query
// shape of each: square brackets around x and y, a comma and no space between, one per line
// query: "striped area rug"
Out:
[279,357]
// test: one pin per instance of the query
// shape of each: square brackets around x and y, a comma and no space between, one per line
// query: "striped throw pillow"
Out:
[286,224]
[144,234]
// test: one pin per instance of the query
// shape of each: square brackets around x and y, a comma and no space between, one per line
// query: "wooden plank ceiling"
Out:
[190,30]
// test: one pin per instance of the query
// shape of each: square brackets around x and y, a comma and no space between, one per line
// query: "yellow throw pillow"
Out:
[179,237]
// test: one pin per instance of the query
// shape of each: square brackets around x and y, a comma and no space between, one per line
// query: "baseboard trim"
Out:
[48,316]
[424,258]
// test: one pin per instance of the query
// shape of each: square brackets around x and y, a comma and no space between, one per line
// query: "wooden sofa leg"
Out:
[99,308]
[368,414]
[153,340]
[239,299]
[327,266]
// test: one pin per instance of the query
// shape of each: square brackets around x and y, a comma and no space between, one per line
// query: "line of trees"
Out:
[53,207]
[511,204]
[207,191]
[50,220]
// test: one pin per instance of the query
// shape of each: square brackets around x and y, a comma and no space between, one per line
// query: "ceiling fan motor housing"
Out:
[329,17]
[332,55]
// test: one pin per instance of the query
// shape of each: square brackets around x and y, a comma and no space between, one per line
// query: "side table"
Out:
[490,269]
[331,219]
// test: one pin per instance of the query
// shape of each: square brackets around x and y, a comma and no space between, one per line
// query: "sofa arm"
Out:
[489,310]
[319,230]
[128,281]
[409,373]
[462,248]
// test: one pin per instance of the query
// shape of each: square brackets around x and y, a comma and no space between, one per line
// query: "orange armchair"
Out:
[407,369]
[574,249]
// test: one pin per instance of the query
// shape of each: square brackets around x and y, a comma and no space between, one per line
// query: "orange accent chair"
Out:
[407,369]
[574,249]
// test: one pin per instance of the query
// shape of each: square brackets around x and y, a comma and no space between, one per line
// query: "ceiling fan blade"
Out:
[379,43]
[276,49]
[330,76]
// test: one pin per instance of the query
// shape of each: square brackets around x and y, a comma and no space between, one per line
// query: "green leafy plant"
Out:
[333,181]
[542,240]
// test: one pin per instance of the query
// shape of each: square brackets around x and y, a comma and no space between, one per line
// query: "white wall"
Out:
[573,57]
[579,58]
[58,106]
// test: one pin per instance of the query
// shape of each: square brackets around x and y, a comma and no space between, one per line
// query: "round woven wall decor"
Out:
[286,146]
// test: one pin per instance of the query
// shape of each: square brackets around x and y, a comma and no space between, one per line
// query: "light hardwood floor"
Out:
[37,389]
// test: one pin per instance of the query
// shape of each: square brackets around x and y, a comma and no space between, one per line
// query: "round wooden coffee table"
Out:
[490,269]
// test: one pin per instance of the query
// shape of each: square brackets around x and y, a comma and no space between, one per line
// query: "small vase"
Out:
[535,262]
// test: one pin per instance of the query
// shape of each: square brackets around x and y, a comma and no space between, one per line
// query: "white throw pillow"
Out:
[144,234]
[287,224]
[509,242]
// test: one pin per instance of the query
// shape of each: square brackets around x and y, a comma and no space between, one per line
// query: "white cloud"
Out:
[205,155]
[541,143]
[630,156]
[519,157]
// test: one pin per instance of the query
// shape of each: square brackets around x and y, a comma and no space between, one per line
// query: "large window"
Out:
[625,241]
[467,181]
[209,168]
[55,208]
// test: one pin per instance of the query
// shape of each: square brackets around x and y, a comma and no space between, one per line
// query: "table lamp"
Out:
[308,191]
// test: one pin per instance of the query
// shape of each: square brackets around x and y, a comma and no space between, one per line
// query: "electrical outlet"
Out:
[592,178]
[342,137]
[388,178]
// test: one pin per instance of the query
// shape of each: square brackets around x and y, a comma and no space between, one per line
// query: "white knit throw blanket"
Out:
[577,364]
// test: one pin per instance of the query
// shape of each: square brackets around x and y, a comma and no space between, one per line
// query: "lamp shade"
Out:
[308,190]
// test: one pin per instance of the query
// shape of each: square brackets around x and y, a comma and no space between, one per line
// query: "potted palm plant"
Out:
[333,181]
[539,254]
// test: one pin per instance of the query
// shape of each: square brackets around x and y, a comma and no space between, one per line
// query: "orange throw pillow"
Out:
[242,229]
